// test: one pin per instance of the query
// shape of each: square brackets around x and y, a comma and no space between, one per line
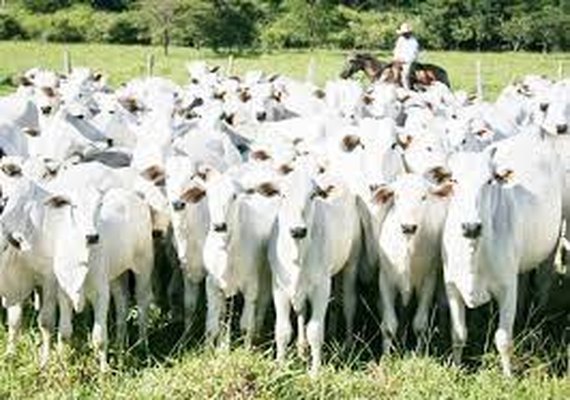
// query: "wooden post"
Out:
[311,70]
[149,65]
[479,81]
[230,66]
[66,62]
[560,70]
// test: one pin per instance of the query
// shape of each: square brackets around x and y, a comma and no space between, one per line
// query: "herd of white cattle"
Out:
[269,187]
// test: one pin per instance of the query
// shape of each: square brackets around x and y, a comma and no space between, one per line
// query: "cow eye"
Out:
[429,148]
[424,197]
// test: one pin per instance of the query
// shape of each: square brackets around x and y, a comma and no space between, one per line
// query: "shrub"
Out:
[127,28]
[10,27]
[45,6]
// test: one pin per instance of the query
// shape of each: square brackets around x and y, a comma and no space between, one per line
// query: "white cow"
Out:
[243,205]
[504,218]
[316,236]
[409,246]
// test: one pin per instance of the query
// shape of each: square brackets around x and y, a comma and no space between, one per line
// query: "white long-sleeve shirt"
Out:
[407,49]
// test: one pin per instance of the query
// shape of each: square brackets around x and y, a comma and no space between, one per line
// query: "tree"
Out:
[162,17]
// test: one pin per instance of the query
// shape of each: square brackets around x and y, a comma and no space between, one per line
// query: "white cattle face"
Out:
[556,108]
[472,176]
[411,195]
[221,196]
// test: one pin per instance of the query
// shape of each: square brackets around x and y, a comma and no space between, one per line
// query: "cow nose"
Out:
[261,116]
[471,230]
[543,107]
[409,229]
[562,128]
[220,228]
[178,205]
[92,238]
[46,110]
[299,232]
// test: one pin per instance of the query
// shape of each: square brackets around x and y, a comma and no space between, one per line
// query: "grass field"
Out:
[192,372]
[125,62]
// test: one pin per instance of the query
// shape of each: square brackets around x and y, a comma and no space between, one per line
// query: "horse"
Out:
[376,70]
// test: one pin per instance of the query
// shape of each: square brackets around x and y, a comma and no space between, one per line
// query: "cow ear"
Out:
[214,69]
[32,132]
[349,143]
[260,155]
[442,190]
[57,201]
[193,195]
[273,77]
[382,195]
[505,176]
[97,76]
[319,94]
[439,174]
[404,140]
[245,96]
[367,99]
[24,81]
[268,189]
[12,170]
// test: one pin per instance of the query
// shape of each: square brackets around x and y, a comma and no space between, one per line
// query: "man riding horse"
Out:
[403,70]
[406,52]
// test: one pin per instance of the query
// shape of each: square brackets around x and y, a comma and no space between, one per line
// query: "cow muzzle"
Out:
[562,129]
[298,232]
[178,205]
[220,228]
[92,239]
[46,110]
[471,230]
[409,229]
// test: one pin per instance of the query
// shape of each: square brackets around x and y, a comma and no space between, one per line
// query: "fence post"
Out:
[479,81]
[149,65]
[311,70]
[560,70]
[230,66]
[66,62]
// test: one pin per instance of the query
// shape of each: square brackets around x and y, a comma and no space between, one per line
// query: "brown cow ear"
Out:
[439,174]
[57,201]
[268,189]
[153,173]
[193,195]
[319,94]
[443,190]
[367,99]
[12,170]
[382,195]
[260,155]
[505,176]
[404,140]
[285,169]
[24,81]
[349,143]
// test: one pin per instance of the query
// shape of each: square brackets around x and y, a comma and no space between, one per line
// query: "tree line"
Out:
[539,25]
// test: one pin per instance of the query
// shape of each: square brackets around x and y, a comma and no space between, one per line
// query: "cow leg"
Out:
[263,299]
[191,293]
[175,287]
[507,300]
[421,318]
[458,326]
[65,319]
[119,293]
[389,324]
[316,326]
[349,299]
[143,293]
[301,334]
[283,330]
[216,310]
[99,335]
[247,320]
[46,318]
[14,327]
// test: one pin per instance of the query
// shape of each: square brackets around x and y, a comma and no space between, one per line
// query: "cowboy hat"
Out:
[404,28]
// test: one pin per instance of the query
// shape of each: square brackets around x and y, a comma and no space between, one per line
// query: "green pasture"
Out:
[122,63]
